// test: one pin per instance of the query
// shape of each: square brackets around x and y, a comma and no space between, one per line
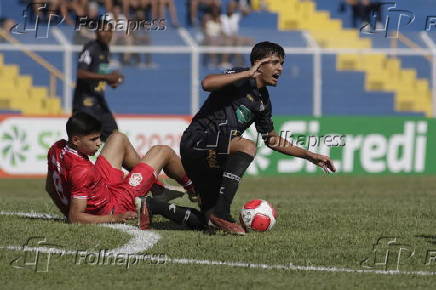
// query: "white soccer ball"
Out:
[258,215]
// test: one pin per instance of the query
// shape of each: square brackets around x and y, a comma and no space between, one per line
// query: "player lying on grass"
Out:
[88,193]
[214,154]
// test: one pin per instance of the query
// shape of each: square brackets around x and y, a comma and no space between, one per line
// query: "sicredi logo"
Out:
[404,152]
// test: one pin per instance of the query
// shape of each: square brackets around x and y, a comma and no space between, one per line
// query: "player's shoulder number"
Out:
[85,57]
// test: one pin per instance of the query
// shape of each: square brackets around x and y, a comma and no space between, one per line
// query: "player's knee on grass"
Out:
[243,145]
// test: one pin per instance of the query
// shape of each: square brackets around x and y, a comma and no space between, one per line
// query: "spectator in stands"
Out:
[6,24]
[162,4]
[120,35]
[142,37]
[79,7]
[138,8]
[202,6]
[244,6]
[214,36]
[46,10]
[361,10]
[110,4]
[83,35]
[230,27]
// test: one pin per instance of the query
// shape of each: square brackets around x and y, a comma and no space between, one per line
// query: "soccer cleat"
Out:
[144,215]
[225,225]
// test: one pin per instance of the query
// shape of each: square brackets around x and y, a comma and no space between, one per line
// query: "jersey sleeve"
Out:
[81,182]
[86,58]
[263,121]
[238,84]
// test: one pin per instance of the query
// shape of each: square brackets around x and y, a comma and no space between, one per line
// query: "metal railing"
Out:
[194,50]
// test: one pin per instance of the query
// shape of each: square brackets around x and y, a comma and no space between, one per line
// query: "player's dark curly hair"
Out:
[81,124]
[264,49]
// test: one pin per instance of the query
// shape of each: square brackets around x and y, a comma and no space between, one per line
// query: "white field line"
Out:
[143,240]
[140,240]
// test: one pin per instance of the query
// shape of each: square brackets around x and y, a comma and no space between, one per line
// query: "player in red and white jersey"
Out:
[88,193]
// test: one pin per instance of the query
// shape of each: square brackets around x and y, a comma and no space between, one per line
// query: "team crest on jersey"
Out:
[88,102]
[244,115]
[250,97]
[135,179]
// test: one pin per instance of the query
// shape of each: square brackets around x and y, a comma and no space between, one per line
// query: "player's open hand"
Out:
[323,161]
[254,70]
[123,217]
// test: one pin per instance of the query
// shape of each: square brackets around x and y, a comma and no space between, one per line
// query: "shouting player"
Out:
[214,154]
[93,74]
[88,193]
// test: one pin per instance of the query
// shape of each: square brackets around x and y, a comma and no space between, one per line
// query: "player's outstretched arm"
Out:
[280,144]
[218,81]
[77,214]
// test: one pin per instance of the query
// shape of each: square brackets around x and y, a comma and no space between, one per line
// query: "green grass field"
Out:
[328,222]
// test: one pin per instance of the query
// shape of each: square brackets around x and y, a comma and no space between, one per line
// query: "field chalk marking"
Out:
[144,240]
[140,240]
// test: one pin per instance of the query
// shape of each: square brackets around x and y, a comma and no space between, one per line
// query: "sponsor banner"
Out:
[24,141]
[357,145]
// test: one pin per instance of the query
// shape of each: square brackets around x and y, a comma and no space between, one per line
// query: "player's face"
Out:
[105,35]
[87,144]
[272,70]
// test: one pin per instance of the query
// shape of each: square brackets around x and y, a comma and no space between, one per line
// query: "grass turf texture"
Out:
[330,221]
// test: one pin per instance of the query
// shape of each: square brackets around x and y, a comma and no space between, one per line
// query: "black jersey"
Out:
[228,112]
[89,94]
[94,58]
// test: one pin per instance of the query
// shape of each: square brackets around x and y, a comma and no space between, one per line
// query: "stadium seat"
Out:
[382,73]
[17,93]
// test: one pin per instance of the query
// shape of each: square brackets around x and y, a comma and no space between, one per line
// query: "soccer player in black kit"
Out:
[92,76]
[214,154]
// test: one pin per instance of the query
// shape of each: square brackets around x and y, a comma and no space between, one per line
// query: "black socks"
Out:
[237,164]
[181,215]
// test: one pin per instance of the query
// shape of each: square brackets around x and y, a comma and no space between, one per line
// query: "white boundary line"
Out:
[140,240]
[149,238]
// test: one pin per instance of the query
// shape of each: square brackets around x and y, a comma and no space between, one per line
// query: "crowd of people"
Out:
[361,10]
[218,23]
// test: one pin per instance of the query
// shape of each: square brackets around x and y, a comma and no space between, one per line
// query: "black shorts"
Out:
[96,106]
[204,166]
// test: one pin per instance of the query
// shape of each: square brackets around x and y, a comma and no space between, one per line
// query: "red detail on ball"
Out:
[260,222]
[252,204]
